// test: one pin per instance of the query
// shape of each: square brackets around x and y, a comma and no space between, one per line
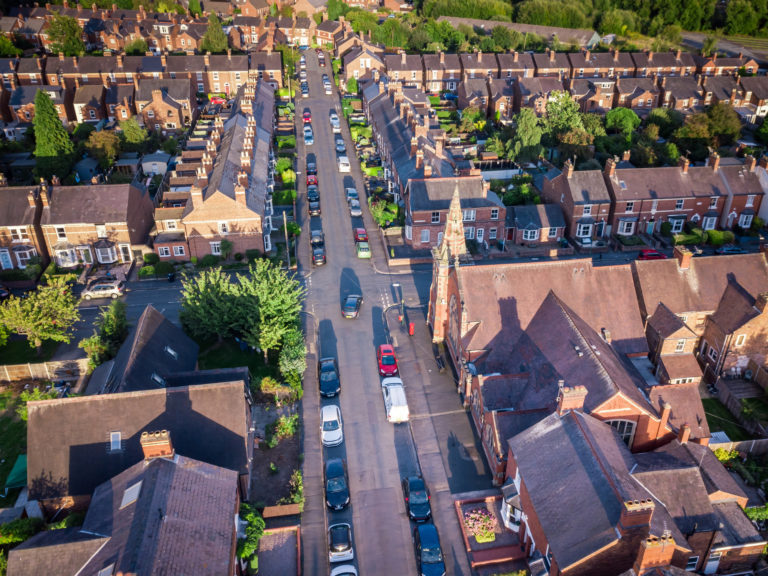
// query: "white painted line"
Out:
[436,414]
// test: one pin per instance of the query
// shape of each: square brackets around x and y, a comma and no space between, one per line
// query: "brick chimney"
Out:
[750,162]
[163,60]
[714,161]
[610,168]
[414,146]
[403,57]
[207,59]
[761,302]
[763,162]
[419,159]
[439,147]
[515,56]
[650,56]
[207,164]
[245,160]
[684,434]
[684,257]
[654,553]
[156,445]
[570,398]
[606,335]
[240,191]
[44,197]
[587,55]
[551,55]
[635,513]
[684,163]
[626,156]
[427,170]
[568,168]
[30,196]
[442,57]
[479,56]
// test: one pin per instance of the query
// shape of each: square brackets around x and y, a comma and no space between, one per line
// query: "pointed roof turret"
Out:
[453,244]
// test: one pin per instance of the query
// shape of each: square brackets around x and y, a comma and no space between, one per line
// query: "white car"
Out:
[346,570]
[354,208]
[334,118]
[340,543]
[344,165]
[331,430]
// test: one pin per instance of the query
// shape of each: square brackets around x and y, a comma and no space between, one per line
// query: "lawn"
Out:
[13,439]
[18,351]
[228,354]
[720,419]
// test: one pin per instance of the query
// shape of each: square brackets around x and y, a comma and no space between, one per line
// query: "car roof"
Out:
[428,534]
[362,246]
[360,230]
[331,410]
[392,381]
[387,348]
[328,360]
[335,465]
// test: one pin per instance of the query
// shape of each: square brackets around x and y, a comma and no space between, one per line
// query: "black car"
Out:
[312,193]
[429,556]
[416,498]
[336,486]
[317,239]
[311,169]
[328,376]
[318,256]
[350,307]
[314,207]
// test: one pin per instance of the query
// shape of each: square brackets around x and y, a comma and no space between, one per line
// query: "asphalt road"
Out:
[377,453]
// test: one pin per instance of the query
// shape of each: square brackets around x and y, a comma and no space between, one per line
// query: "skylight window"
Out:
[171,352]
[108,571]
[130,495]
[157,379]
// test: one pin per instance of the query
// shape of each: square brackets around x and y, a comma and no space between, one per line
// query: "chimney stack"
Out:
[626,156]
[684,163]
[750,162]
[207,59]
[403,57]
[570,398]
[654,553]
[568,168]
[479,56]
[156,445]
[610,168]
[684,434]
[714,161]
[666,410]
[442,57]
[761,302]
[245,160]
[419,159]
[414,146]
[650,56]
[44,198]
[551,55]
[607,335]
[635,513]
[684,257]
[515,56]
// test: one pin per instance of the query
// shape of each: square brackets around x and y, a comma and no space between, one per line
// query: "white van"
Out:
[395,403]
[344,164]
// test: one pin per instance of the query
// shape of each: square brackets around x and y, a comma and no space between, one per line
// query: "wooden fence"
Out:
[69,370]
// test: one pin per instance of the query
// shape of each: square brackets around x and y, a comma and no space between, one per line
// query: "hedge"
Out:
[163,269]
[720,237]
[146,271]
[151,258]
[209,260]
[252,254]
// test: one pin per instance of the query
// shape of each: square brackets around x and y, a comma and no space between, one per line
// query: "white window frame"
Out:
[115,441]
[692,563]
[435,218]
[625,429]
[713,202]
[626,228]
[745,220]
[469,232]
[23,257]
[223,228]
[424,236]
[709,223]
[712,353]
[216,248]
[494,213]
[583,230]
[171,225]
[468,215]
[106,255]
[740,340]
[61,233]
[179,251]
[164,252]
[630,207]
[480,234]
[552,233]
[92,113]
[101,230]
[492,234]
[531,235]
[677,225]
[679,204]
[679,346]
[19,234]
[587,211]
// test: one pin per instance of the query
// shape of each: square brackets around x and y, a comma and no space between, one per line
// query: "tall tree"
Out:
[209,305]
[293,356]
[104,145]
[214,40]
[526,143]
[503,37]
[65,35]
[134,137]
[623,120]
[48,313]
[7,48]
[194,8]
[53,148]
[138,47]
[724,124]
[562,114]
[709,45]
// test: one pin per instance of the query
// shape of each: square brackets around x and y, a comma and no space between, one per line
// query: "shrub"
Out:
[146,271]
[720,237]
[151,258]
[297,489]
[209,260]
[757,224]
[19,530]
[193,260]
[724,455]
[238,256]
[630,240]
[283,164]
[269,385]
[163,268]
[666,229]
[252,253]
[247,547]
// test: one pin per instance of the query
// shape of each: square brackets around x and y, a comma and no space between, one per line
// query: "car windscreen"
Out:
[330,425]
[388,360]
[431,555]
[328,376]
[336,484]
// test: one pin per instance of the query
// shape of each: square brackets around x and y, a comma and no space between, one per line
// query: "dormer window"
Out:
[223,228]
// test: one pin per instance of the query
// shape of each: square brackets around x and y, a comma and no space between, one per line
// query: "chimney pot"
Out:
[568,168]
[654,553]
[684,434]
[750,162]
[156,445]
[571,398]
[684,164]
[610,168]
[714,161]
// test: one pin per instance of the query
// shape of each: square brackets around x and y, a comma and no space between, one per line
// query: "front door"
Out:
[599,230]
[713,562]
[480,235]
[125,252]
[649,227]
[5,260]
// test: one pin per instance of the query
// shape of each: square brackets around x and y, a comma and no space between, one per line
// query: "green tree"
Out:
[525,145]
[8,49]
[724,124]
[362,21]
[617,21]
[31,395]
[503,38]
[562,114]
[112,325]
[623,120]
[594,124]
[48,313]
[709,45]
[576,142]
[762,132]
[194,8]
[226,249]
[741,17]
[672,33]
[19,530]
[65,35]
[134,138]
[104,145]
[352,86]
[336,8]
[694,137]
[214,40]
[171,146]
[53,148]
[209,305]
[418,39]
[666,119]
[293,357]
[249,546]
[137,47]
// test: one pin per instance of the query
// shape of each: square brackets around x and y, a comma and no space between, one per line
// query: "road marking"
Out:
[436,414]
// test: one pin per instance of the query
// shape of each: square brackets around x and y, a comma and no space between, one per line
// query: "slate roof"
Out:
[736,308]
[117,92]
[668,324]
[735,528]
[538,85]
[26,95]
[14,206]
[667,182]
[30,66]
[436,193]
[535,216]
[558,61]
[330,26]
[701,286]
[682,88]
[653,60]
[89,95]
[515,61]
[721,86]
[584,186]
[395,62]
[155,347]
[264,61]
[63,552]
[613,59]
[208,422]
[758,85]
[178,90]
[356,51]
[634,87]
[97,204]
[684,398]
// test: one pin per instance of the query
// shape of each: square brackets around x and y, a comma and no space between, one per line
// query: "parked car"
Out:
[305,91]
[103,288]
[347,569]
[352,194]
[302,62]
[303,75]
[360,235]
[331,432]
[651,255]
[340,543]
[312,193]
[395,402]
[309,138]
[307,116]
[333,117]
[429,556]
[350,307]
[218,100]
[336,486]
[311,179]
[4,292]
[313,206]
[363,250]
[354,208]
[344,165]
[416,498]
[340,146]
[317,238]
[730,249]
[311,168]
[328,377]
[328,88]
[318,256]
[385,356]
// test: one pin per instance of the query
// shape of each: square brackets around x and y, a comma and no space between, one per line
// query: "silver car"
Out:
[104,288]
[331,431]
[340,543]
[354,208]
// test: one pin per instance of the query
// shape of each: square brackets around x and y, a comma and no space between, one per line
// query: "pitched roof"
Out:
[682,88]
[62,552]
[584,186]
[538,85]
[535,216]
[667,182]
[14,206]
[97,204]
[178,90]
[735,528]
[736,308]
[155,349]
[700,287]
[436,193]
[116,93]
[89,95]
[668,324]
[636,86]
[662,60]
[208,422]
[26,95]
[684,399]
[758,85]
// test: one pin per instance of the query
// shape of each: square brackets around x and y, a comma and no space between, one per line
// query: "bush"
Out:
[283,164]
[208,261]
[252,253]
[238,256]
[720,237]
[666,229]
[163,268]
[146,271]
[151,258]
[19,530]
[630,240]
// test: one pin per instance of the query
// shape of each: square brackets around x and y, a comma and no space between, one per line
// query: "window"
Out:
[530,235]
[692,562]
[480,234]
[626,227]
[216,248]
[170,125]
[587,209]
[61,233]
[170,224]
[24,254]
[131,494]
[413,75]
[469,232]
[101,231]
[552,233]
[492,234]
[106,255]
[179,251]
[223,228]
[677,224]
[679,204]
[199,76]
[713,202]
[92,114]
[584,230]
[709,223]
[157,379]
[494,213]
[164,251]
[625,429]
[435,217]
[745,220]
[171,352]
[19,234]
[740,340]
[216,76]
[630,207]
[424,236]
[469,215]
[150,113]
[679,346]
[712,353]
[200,87]
[115,441]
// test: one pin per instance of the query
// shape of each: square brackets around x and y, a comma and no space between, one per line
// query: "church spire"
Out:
[453,244]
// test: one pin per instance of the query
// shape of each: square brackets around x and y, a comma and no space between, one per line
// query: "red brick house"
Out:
[326,32]
[30,71]
[22,103]
[442,72]
[649,64]
[473,93]
[754,106]
[594,95]
[246,32]
[360,62]
[613,64]
[165,105]
[407,69]
[534,93]
[476,65]
[20,238]
[515,64]
[267,66]
[119,100]
[682,94]
[89,104]
[715,65]
[430,202]
[102,224]
[734,335]
[672,344]
[639,94]
[254,8]
[535,225]
[552,65]
[745,192]
[502,99]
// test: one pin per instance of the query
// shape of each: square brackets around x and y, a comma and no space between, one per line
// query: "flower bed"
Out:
[481,524]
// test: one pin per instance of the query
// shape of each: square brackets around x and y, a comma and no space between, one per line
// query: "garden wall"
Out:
[69,370]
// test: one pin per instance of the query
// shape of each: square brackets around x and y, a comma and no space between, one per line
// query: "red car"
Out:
[385,355]
[651,255]
[307,117]
[312,179]
[218,100]
[360,235]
